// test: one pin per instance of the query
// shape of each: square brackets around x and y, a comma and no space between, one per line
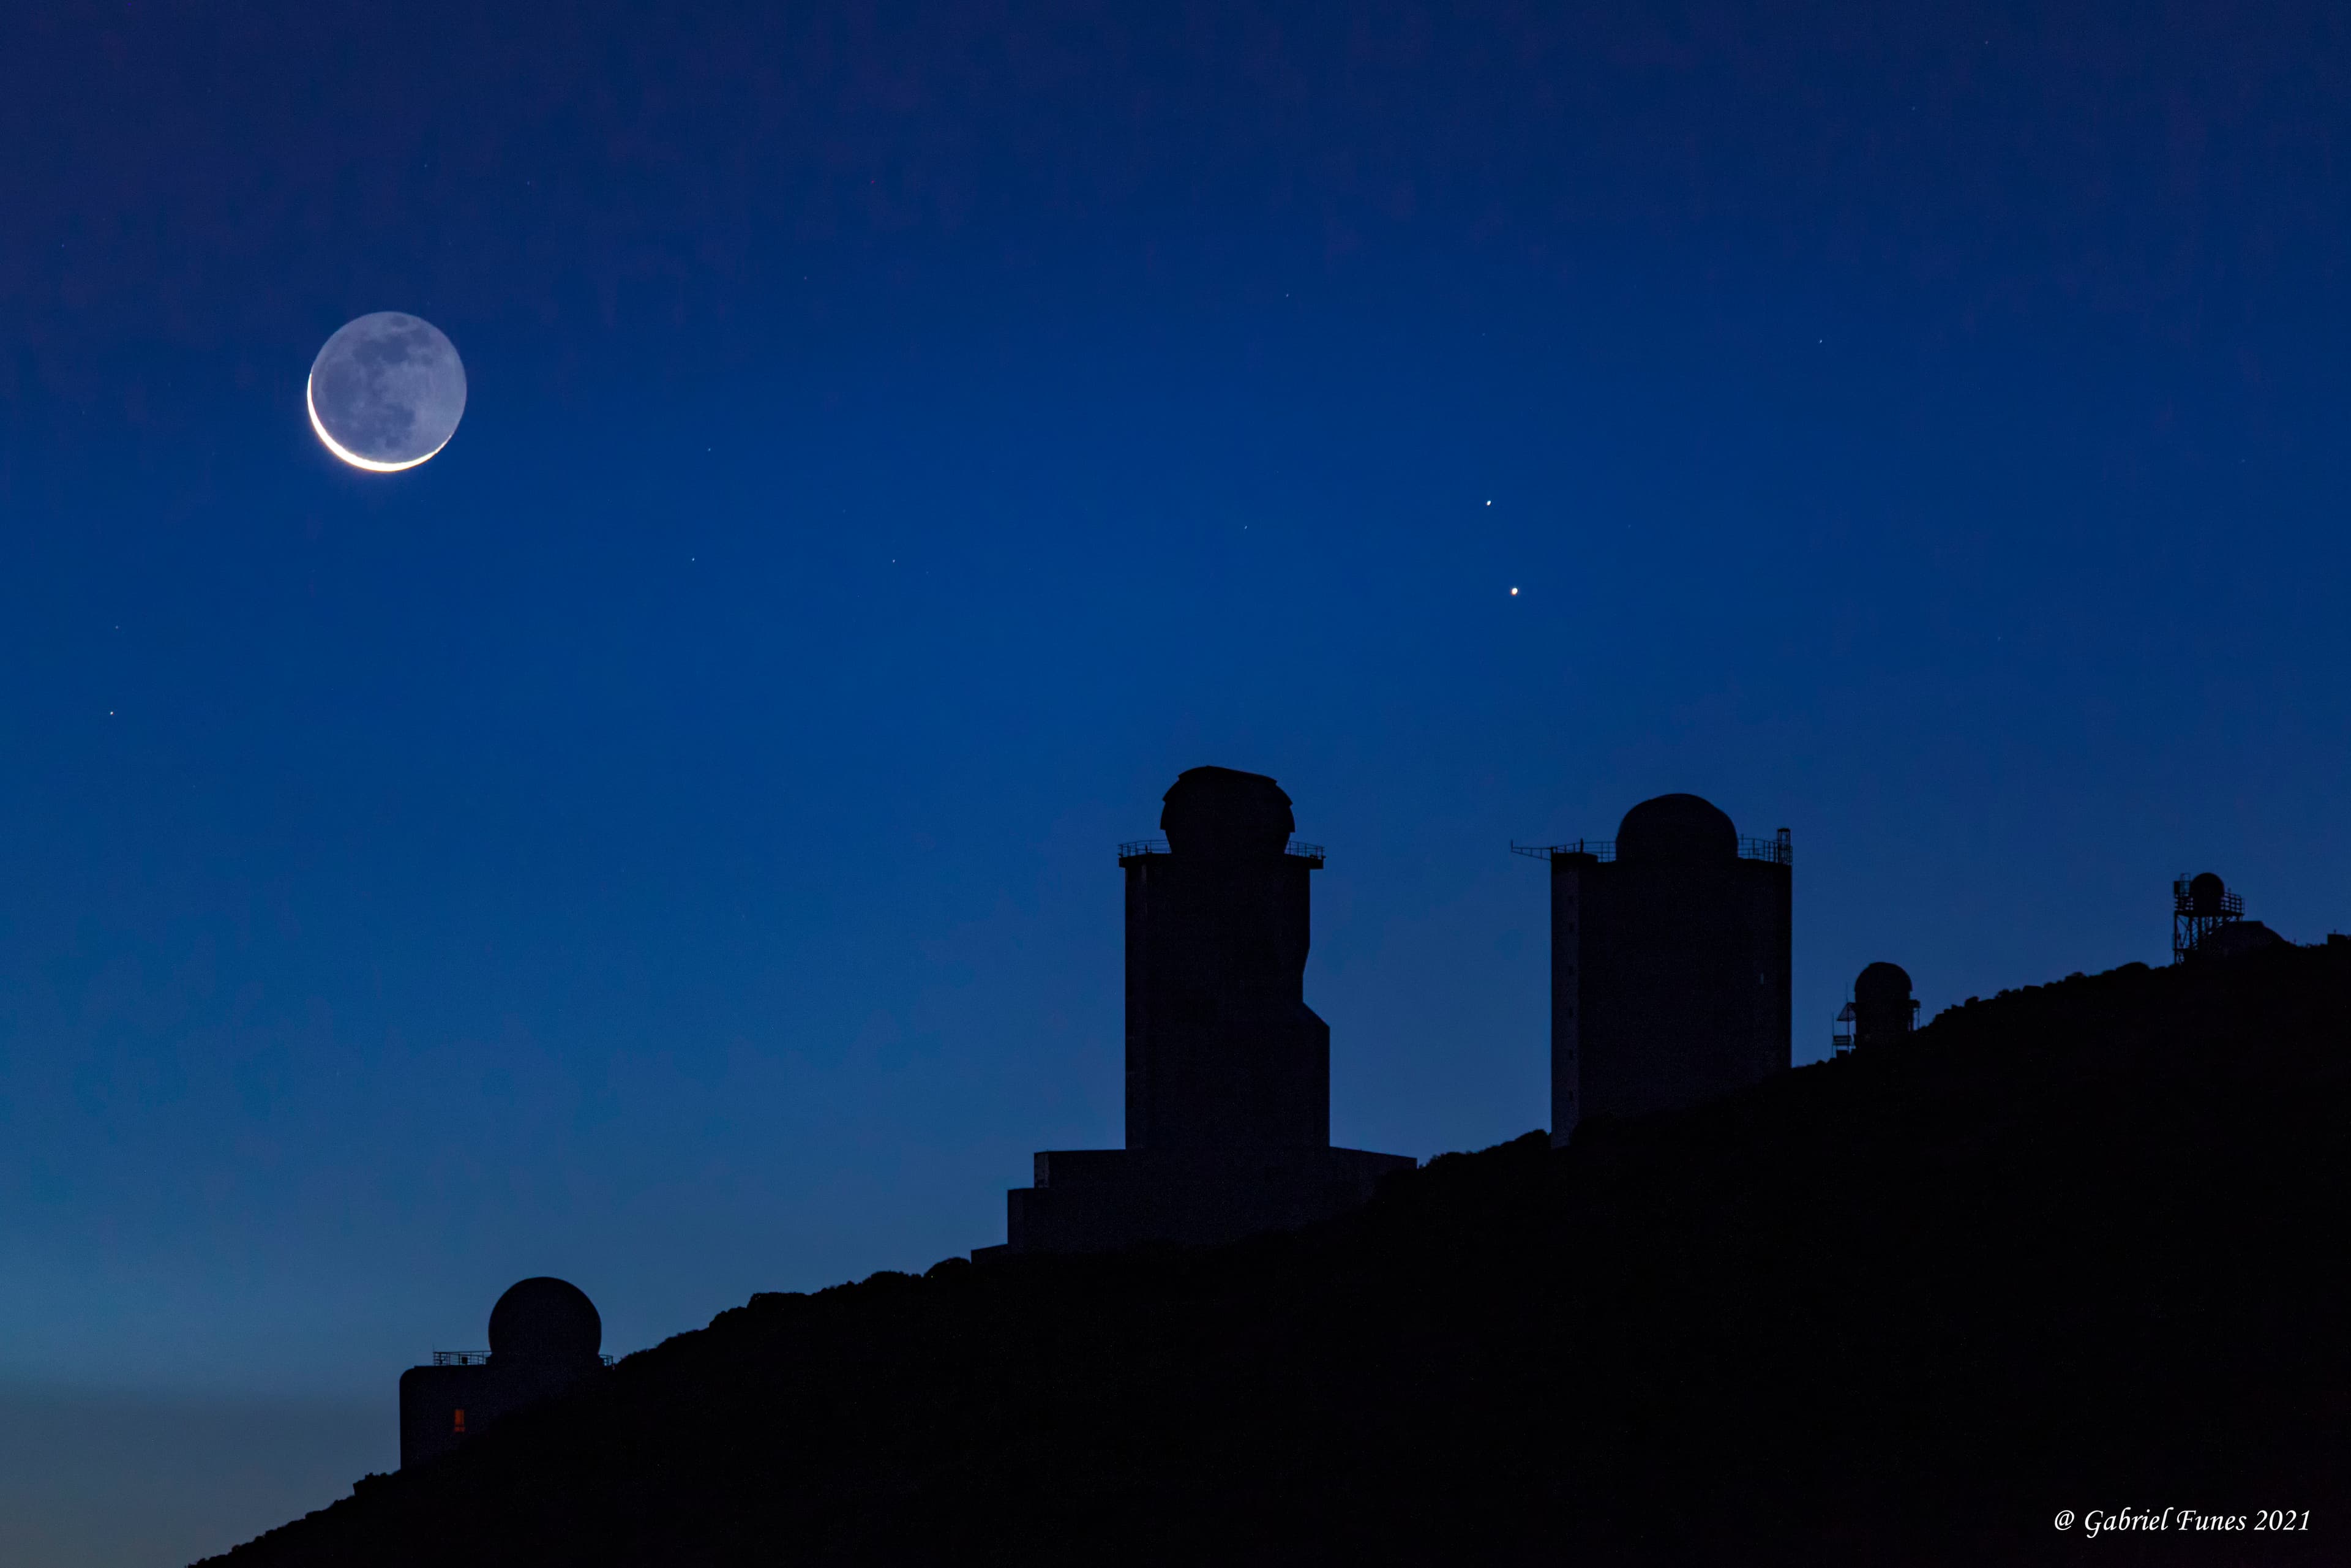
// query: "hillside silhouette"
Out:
[2081,1246]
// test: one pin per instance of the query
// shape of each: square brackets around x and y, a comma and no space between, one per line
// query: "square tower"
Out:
[1670,963]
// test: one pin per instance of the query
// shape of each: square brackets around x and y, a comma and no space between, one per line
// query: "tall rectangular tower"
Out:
[1671,959]
[1227,1069]
[1222,1052]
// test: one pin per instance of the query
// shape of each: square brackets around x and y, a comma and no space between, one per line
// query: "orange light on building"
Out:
[458,1427]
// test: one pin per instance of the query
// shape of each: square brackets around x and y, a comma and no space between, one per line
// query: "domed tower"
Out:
[1881,1011]
[1227,1069]
[545,1336]
[2200,906]
[2207,921]
[1221,1049]
[1670,955]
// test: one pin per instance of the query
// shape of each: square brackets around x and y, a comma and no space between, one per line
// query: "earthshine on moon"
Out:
[386,393]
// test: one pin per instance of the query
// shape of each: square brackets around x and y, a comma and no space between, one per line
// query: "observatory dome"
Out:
[1883,982]
[1219,811]
[2204,894]
[1676,828]
[546,1320]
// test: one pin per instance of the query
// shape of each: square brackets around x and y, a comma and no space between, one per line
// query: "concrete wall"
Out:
[430,1396]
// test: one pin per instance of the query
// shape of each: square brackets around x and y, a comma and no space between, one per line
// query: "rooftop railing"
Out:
[1775,851]
[1598,849]
[477,1358]
[2230,907]
[1135,848]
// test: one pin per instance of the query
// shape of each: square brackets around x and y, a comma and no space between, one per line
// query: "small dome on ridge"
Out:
[1883,982]
[545,1319]
[2204,894]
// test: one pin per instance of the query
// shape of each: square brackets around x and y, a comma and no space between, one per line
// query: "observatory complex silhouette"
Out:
[1670,955]
[1227,1069]
[1670,951]
[545,1336]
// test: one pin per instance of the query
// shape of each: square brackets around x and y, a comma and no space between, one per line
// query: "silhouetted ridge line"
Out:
[2076,1245]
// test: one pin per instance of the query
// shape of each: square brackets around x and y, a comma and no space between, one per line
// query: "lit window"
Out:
[459,1425]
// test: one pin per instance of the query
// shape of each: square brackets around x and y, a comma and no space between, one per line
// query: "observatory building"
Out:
[1670,963]
[1227,1069]
[545,1336]
[1881,1012]
[2208,920]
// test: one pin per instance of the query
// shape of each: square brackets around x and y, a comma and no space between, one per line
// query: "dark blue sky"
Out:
[668,841]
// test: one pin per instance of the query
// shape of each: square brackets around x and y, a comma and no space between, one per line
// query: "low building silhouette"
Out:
[1669,962]
[545,1336]
[1881,1011]
[1227,1069]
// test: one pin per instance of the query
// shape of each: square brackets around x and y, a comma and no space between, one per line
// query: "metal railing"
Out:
[2232,906]
[1774,851]
[1598,849]
[477,1358]
[1134,848]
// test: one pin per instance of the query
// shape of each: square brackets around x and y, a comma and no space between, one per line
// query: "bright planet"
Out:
[386,393]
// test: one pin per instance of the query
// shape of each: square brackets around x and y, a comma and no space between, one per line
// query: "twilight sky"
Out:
[668,840]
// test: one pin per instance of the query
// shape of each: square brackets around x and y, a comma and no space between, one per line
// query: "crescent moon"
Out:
[353,458]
